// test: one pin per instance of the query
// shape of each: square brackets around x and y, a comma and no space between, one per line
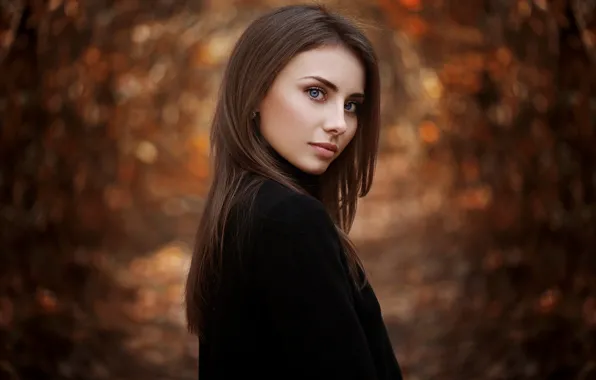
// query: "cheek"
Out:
[351,132]
[283,117]
[285,111]
[347,137]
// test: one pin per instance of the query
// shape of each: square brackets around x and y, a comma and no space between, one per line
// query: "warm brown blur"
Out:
[479,232]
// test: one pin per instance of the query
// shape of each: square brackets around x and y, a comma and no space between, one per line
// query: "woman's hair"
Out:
[238,150]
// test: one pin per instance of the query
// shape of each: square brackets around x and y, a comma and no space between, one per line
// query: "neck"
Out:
[309,182]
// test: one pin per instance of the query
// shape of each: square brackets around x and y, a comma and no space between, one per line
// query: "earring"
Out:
[253,115]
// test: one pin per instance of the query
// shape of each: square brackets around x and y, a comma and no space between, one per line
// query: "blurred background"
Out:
[479,234]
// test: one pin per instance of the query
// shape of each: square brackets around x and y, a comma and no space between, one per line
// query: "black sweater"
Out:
[286,307]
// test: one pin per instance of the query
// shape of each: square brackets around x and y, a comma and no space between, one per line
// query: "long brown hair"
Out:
[237,150]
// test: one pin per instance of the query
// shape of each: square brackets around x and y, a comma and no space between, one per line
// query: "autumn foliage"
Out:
[479,234]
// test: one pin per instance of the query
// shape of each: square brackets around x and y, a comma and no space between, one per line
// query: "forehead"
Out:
[337,64]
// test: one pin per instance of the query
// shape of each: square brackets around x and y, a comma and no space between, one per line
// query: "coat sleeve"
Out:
[307,294]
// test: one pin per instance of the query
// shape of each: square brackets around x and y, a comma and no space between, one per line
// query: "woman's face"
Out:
[310,113]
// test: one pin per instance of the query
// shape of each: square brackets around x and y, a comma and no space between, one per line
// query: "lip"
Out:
[329,146]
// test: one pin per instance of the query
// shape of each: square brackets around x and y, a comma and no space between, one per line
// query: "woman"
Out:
[275,289]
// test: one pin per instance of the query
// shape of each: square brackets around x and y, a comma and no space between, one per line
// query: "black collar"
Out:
[309,182]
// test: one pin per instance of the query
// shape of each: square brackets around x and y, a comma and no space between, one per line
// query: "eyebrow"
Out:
[332,86]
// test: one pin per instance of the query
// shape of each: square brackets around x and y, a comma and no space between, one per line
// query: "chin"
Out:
[314,168]
[317,171]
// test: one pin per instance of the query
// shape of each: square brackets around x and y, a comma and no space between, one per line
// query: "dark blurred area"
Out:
[479,235]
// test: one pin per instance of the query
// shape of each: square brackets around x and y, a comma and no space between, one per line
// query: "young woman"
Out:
[275,289]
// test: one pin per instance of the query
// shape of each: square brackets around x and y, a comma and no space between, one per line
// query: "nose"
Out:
[335,122]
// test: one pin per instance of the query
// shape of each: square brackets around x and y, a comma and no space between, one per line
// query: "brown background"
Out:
[479,234]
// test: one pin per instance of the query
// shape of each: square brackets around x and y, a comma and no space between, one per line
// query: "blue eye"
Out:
[315,92]
[353,108]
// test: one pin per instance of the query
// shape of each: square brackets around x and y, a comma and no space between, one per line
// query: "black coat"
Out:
[286,307]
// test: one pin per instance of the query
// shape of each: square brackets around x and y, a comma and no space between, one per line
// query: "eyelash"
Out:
[308,90]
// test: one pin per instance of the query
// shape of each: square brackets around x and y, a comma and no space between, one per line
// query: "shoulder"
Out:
[279,207]
[295,231]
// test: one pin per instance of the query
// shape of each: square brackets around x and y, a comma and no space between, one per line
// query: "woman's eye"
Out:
[315,93]
[351,107]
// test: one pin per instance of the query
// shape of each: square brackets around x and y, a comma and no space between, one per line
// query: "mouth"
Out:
[328,146]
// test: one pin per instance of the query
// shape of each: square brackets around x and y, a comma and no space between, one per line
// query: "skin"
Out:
[299,110]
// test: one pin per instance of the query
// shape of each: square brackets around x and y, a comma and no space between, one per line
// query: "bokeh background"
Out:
[479,234]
